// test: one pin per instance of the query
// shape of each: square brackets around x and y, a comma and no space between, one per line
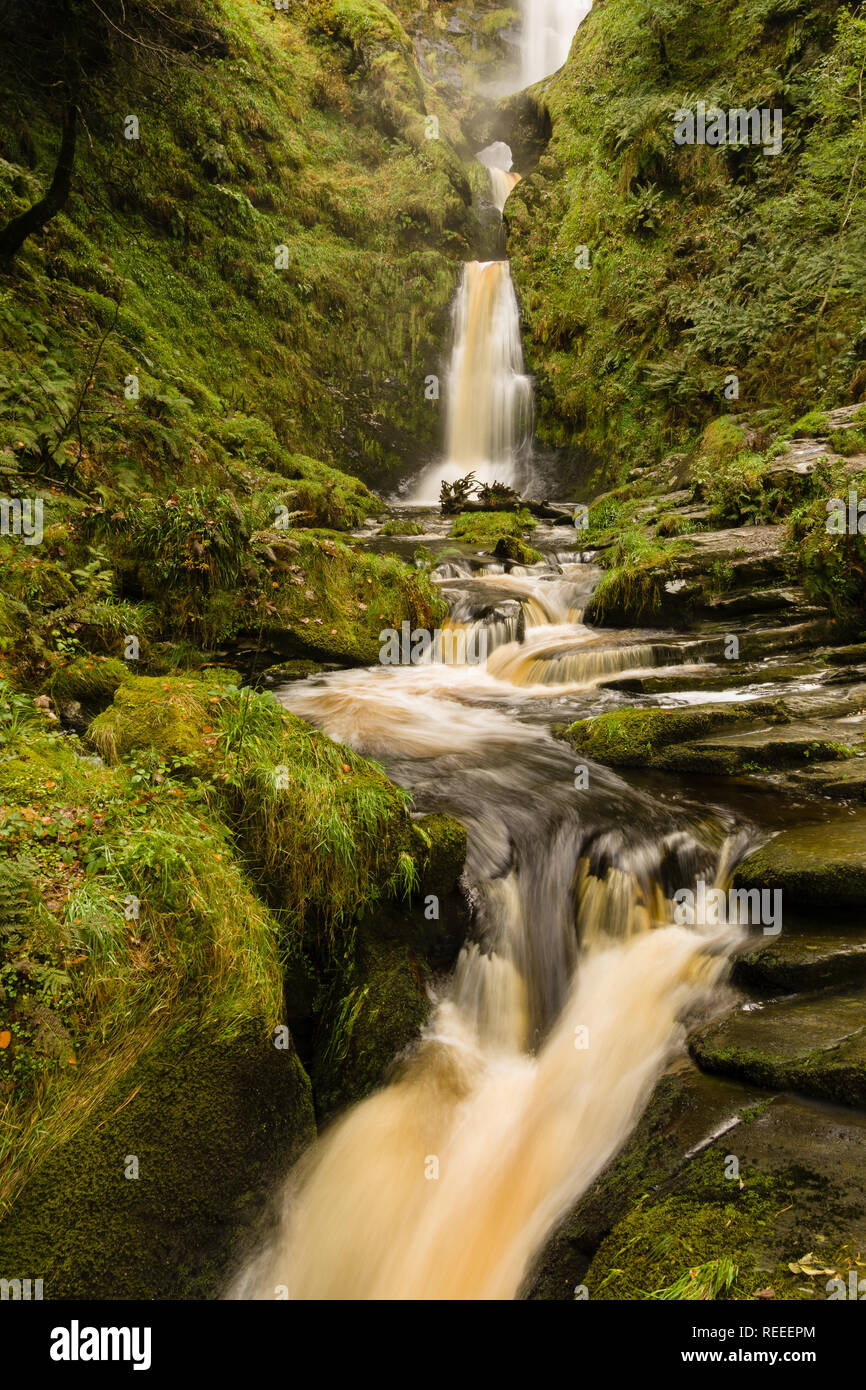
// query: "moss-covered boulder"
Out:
[633,737]
[149,1192]
[89,680]
[488,528]
[165,714]
[516,550]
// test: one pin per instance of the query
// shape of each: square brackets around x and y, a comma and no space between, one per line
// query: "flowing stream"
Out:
[568,1001]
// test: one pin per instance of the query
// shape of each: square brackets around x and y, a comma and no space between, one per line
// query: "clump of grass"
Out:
[485,528]
[637,568]
[832,564]
[324,832]
[707,1281]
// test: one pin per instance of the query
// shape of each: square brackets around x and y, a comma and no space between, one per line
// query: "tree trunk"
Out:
[16,232]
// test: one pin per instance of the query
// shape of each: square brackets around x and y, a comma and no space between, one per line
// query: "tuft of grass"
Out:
[486,528]
[707,1281]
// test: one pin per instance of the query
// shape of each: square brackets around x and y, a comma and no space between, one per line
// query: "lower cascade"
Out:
[565,1006]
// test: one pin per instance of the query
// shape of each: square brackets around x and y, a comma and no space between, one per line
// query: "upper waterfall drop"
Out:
[548,29]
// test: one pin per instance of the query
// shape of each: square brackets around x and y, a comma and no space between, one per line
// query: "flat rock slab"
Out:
[841,781]
[770,746]
[714,677]
[798,962]
[784,601]
[738,542]
[816,865]
[814,1045]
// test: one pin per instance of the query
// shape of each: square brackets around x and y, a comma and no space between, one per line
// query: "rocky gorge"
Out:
[259,885]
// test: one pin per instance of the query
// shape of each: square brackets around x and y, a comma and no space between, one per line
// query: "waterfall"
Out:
[548,29]
[489,401]
[489,398]
[497,160]
[566,1003]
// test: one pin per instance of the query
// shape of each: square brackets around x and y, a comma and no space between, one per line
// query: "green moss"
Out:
[814,422]
[165,714]
[401,526]
[817,864]
[651,1248]
[370,1019]
[486,528]
[442,842]
[88,679]
[308,133]
[510,548]
[632,737]
[211,1126]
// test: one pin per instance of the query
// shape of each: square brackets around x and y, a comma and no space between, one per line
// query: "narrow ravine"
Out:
[567,1003]
[565,1006]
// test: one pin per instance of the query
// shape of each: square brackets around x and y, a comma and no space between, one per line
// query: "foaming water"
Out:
[488,396]
[566,1003]
[445,1184]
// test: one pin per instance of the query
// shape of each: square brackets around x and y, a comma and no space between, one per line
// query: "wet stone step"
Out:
[814,1045]
[718,676]
[777,745]
[821,866]
[798,963]
[765,601]
[840,781]
[797,1189]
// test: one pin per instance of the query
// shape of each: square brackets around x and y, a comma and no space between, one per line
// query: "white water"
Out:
[445,1183]
[497,160]
[548,29]
[488,395]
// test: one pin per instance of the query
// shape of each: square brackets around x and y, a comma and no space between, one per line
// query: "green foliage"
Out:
[304,133]
[832,565]
[738,489]
[705,262]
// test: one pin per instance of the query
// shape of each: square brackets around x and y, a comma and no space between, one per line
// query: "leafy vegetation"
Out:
[705,263]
